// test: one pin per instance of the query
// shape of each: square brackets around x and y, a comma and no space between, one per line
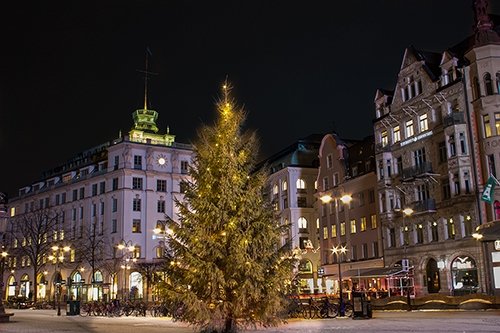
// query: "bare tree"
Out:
[32,236]
[93,247]
[149,272]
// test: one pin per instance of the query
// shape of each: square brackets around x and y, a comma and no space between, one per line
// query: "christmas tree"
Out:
[226,267]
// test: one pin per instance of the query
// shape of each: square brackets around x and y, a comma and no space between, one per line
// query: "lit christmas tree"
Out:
[227,269]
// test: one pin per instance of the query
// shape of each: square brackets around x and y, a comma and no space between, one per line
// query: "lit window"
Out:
[424,125]
[302,223]
[409,128]
[301,184]
[353,226]
[385,139]
[362,226]
[397,134]
[342,228]
[334,231]
[284,186]
[373,220]
[275,189]
[325,232]
[136,226]
[487,127]
[497,123]
[329,161]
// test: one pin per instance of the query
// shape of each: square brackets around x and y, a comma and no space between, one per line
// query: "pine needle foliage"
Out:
[226,268]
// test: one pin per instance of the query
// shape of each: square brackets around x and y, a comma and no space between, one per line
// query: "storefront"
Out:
[489,236]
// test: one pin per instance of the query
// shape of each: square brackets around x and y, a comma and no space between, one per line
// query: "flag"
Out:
[489,189]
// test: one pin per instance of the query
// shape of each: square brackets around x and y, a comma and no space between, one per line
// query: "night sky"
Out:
[69,75]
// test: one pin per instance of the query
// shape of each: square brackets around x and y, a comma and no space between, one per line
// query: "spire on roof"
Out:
[484,25]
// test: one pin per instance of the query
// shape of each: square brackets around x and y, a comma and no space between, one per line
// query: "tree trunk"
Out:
[35,284]
[230,326]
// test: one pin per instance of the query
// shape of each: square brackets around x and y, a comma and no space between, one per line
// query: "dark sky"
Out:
[69,80]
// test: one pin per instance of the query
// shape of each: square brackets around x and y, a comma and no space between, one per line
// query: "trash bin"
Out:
[72,308]
[361,306]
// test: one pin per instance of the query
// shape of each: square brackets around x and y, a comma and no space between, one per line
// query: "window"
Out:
[342,228]
[302,223]
[94,189]
[63,198]
[354,252]
[75,195]
[81,213]
[361,198]
[497,123]
[364,251]
[115,184]
[284,186]
[486,126]
[453,149]
[94,209]
[184,166]
[373,221]
[102,187]
[325,184]
[183,186]
[406,235]
[138,162]
[420,233]
[488,84]
[161,206]
[446,189]
[424,125]
[136,205]
[275,189]
[329,161]
[498,82]
[301,184]
[375,249]
[443,158]
[82,193]
[161,185]
[362,224]
[467,226]
[409,129]
[335,179]
[434,232]
[371,196]
[476,88]
[113,225]
[117,161]
[396,134]
[325,232]
[450,228]
[136,225]
[136,183]
[353,226]
[334,231]
[137,251]
[301,202]
[384,139]
[392,237]
[114,204]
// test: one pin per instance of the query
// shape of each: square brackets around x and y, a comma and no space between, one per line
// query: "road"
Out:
[45,321]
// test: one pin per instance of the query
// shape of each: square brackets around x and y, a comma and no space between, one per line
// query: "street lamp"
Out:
[338,251]
[3,255]
[405,263]
[56,257]
[130,248]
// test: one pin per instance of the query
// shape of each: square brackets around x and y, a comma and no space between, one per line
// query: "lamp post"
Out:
[3,255]
[406,213]
[338,251]
[56,257]
[130,248]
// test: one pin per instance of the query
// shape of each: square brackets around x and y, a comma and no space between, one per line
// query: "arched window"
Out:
[275,189]
[301,184]
[302,223]
[498,82]
[476,88]
[284,186]
[488,84]
[464,275]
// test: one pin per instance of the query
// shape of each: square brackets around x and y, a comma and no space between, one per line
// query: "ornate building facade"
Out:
[107,207]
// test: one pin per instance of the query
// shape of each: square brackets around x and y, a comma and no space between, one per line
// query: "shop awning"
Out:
[488,232]
[373,272]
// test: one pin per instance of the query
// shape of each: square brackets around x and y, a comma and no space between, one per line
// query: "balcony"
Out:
[454,118]
[425,206]
[380,148]
[417,171]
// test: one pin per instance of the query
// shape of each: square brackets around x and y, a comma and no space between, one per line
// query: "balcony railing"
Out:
[453,119]
[425,206]
[417,170]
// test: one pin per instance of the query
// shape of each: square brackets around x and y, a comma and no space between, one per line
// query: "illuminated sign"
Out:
[416,138]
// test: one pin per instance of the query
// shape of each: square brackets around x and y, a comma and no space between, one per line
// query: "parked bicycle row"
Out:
[318,308]
[118,308]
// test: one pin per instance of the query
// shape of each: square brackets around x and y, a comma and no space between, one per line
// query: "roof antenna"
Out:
[146,76]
